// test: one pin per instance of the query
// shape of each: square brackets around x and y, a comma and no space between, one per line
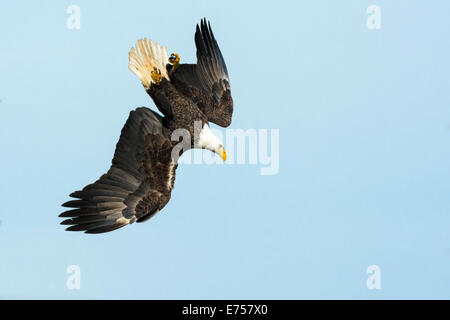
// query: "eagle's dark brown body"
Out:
[218,111]
[179,110]
[141,178]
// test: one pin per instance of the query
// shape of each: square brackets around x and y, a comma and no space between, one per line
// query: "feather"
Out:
[125,194]
[144,57]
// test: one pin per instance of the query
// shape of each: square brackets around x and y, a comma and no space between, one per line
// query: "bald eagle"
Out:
[141,178]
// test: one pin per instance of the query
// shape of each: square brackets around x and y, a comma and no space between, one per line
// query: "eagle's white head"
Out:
[208,140]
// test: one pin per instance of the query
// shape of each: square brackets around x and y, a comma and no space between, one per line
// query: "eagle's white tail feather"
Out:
[144,57]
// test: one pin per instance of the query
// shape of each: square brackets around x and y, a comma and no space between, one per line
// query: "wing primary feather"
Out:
[136,184]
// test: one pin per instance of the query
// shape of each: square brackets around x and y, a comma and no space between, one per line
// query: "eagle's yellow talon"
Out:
[156,75]
[174,59]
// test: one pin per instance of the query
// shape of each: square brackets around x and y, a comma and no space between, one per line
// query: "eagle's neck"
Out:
[207,139]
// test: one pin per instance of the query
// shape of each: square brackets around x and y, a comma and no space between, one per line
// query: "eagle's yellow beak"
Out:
[223,153]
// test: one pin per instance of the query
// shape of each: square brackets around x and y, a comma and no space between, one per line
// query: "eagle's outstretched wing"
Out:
[207,82]
[136,187]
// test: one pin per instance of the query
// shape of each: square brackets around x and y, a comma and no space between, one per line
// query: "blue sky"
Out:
[364,173]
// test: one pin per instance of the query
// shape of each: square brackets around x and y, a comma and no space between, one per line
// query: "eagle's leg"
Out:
[156,75]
